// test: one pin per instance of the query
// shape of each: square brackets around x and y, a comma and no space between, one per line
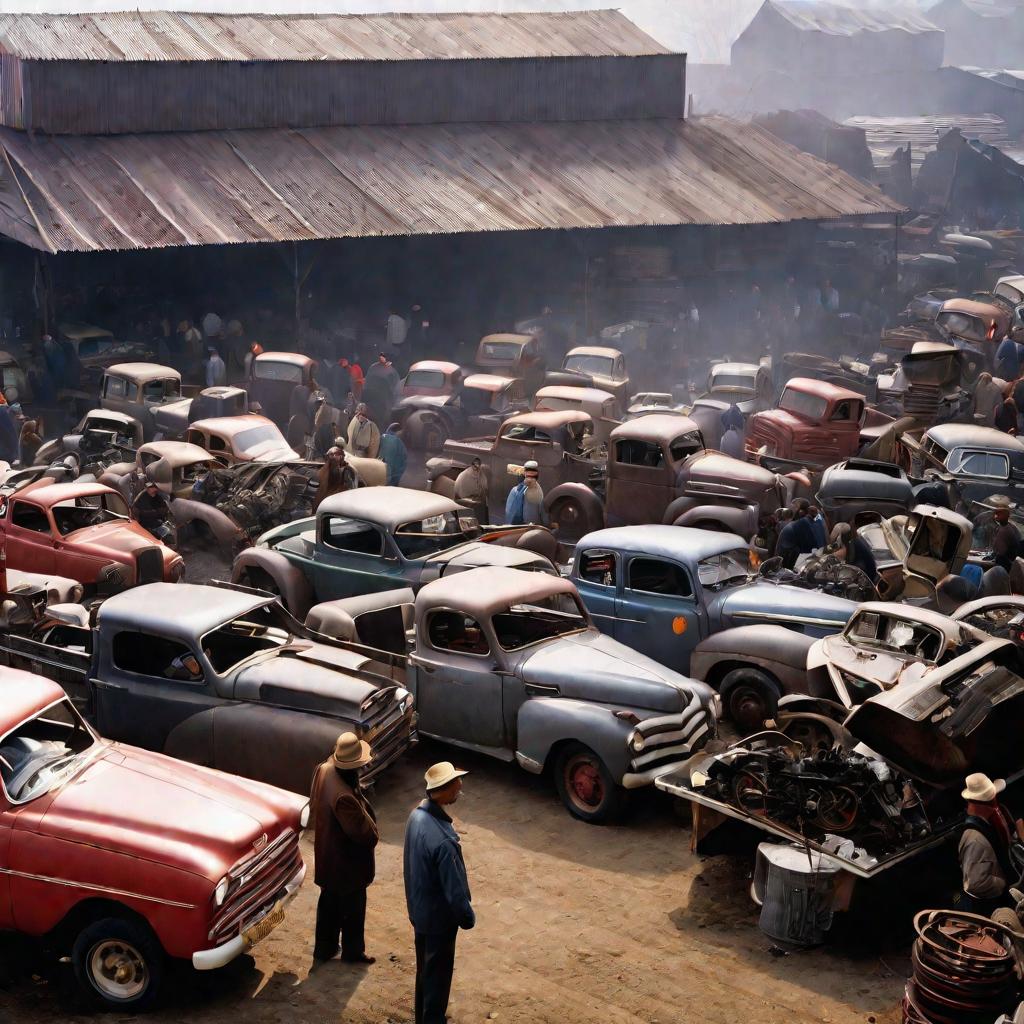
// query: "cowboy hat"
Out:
[999,501]
[981,789]
[438,776]
[351,752]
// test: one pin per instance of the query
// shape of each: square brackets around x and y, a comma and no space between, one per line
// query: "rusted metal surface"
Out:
[197,188]
[178,36]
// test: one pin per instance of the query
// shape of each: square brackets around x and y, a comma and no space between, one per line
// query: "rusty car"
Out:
[248,438]
[595,366]
[137,389]
[512,355]
[432,377]
[273,377]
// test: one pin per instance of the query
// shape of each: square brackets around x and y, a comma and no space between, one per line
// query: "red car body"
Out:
[132,836]
[43,531]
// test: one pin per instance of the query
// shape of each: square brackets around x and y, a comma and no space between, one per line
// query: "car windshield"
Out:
[88,510]
[44,752]
[897,636]
[424,379]
[525,624]
[266,369]
[600,365]
[259,630]
[809,407]
[732,382]
[254,436]
[963,325]
[728,567]
[428,536]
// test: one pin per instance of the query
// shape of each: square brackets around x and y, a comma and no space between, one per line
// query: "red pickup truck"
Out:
[124,858]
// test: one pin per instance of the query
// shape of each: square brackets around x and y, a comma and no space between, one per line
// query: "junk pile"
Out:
[963,970]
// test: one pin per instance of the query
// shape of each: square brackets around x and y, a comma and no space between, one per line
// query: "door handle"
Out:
[537,690]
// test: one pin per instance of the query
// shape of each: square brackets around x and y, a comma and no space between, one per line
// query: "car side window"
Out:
[841,412]
[633,452]
[598,567]
[456,632]
[30,517]
[155,656]
[115,387]
[654,576]
[350,535]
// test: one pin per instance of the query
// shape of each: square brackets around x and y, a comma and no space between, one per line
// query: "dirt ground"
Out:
[575,923]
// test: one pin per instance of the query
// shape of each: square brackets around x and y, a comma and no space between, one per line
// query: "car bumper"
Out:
[211,959]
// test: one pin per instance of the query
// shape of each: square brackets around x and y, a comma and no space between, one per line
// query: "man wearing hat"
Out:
[343,859]
[525,502]
[436,891]
[1002,536]
[151,511]
[985,841]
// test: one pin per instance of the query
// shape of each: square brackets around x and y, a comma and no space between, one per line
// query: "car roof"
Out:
[518,339]
[232,425]
[387,506]
[177,609]
[548,420]
[744,368]
[569,393]
[593,350]
[488,381]
[958,435]
[974,308]
[176,453]
[656,427]
[295,358]
[855,478]
[435,364]
[25,694]
[822,389]
[137,371]
[489,589]
[50,494]
[682,542]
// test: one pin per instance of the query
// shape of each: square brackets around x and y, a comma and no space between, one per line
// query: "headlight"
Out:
[304,816]
[716,705]
[636,741]
[404,698]
[221,892]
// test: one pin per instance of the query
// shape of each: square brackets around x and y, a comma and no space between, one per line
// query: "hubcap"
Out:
[118,970]
[585,784]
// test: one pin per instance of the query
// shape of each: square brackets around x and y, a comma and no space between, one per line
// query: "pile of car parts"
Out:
[963,970]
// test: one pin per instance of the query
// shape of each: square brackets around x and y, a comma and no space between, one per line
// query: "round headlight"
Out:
[636,741]
[221,892]
[304,816]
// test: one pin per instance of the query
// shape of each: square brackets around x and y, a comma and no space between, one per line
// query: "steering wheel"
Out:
[770,566]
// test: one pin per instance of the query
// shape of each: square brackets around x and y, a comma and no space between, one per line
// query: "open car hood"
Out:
[937,542]
[961,718]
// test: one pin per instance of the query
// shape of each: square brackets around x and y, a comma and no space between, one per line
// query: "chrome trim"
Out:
[778,617]
[96,888]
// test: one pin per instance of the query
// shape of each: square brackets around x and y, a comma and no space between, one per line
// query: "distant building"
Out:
[986,33]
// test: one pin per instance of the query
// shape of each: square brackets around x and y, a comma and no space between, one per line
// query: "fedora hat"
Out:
[981,789]
[439,775]
[351,752]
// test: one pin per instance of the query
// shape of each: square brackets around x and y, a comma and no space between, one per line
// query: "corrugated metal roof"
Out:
[178,36]
[82,193]
[841,20]
[1004,76]
[887,134]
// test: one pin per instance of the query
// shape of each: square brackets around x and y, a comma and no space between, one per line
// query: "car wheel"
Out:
[568,517]
[586,786]
[750,697]
[119,963]
[434,433]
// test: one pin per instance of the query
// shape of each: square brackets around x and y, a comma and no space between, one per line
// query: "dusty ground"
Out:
[575,924]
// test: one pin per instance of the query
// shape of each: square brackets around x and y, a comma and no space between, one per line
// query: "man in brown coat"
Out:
[346,834]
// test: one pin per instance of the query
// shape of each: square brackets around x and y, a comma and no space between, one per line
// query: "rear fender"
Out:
[546,722]
[186,512]
[295,590]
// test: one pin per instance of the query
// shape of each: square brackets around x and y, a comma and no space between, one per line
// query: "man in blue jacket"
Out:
[436,891]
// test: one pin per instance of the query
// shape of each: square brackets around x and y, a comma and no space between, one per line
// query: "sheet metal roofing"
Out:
[841,20]
[180,36]
[86,193]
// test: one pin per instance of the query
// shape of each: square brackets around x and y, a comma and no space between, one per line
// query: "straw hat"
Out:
[351,752]
[439,775]
[981,789]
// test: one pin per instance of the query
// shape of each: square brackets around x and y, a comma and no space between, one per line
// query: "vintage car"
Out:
[853,487]
[480,404]
[659,471]
[122,860]
[432,377]
[663,589]
[814,425]
[173,465]
[558,442]
[513,355]
[973,321]
[509,664]
[596,366]
[748,386]
[883,645]
[89,350]
[975,462]
[249,438]
[136,389]
[172,420]
[379,538]
[599,405]
[100,437]
[214,675]
[272,379]
[647,403]
[999,616]
[1011,289]
[926,384]
[83,531]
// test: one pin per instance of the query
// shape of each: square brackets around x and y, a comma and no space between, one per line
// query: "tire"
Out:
[750,696]
[570,519]
[586,786]
[119,964]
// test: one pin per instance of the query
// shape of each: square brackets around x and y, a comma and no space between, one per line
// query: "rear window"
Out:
[967,462]
[267,370]
[424,379]
[504,350]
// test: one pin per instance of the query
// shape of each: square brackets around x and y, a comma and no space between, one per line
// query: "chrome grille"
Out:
[389,734]
[149,565]
[669,739]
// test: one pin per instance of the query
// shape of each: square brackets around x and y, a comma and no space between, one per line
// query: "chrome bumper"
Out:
[211,959]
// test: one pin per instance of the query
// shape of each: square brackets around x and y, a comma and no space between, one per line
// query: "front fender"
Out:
[295,590]
[690,512]
[186,512]
[545,722]
[779,651]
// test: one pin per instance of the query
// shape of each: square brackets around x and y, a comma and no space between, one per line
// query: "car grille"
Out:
[922,401]
[262,881]
[149,565]
[389,734]
[669,739]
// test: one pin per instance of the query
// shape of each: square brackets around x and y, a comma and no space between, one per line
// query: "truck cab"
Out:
[137,389]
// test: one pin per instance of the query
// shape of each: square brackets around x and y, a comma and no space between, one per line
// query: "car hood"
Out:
[124,538]
[719,468]
[876,666]
[477,553]
[761,601]
[151,807]
[594,667]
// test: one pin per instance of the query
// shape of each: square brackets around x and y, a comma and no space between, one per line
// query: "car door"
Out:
[657,612]
[352,558]
[155,683]
[28,538]
[459,689]
[640,484]
[597,577]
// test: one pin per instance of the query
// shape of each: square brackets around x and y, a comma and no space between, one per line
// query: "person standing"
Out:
[525,502]
[363,434]
[436,891]
[988,832]
[334,476]
[343,857]
[471,489]
[216,371]
[393,455]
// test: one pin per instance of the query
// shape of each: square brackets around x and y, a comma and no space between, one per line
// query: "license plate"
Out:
[260,931]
